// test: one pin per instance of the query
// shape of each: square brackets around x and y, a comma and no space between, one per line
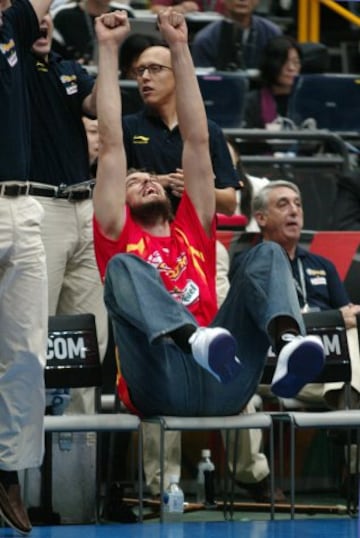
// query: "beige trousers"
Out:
[74,282]
[23,335]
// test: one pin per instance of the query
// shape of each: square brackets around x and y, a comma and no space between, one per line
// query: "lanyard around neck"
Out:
[301,287]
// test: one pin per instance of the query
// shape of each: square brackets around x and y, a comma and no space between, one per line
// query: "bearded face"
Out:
[146,198]
[150,212]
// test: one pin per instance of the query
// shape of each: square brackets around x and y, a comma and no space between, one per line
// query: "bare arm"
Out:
[225,200]
[41,7]
[196,162]
[89,103]
[109,192]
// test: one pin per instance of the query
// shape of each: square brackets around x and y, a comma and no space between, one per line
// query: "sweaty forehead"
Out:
[158,55]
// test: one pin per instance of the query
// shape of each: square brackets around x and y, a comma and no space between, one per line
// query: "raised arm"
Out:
[41,7]
[109,192]
[196,162]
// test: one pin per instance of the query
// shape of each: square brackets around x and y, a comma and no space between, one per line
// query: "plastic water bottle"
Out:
[173,501]
[205,490]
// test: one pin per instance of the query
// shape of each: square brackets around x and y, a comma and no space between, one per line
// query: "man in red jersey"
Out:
[179,356]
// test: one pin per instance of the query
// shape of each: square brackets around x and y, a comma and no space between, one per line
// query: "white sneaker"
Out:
[214,349]
[299,362]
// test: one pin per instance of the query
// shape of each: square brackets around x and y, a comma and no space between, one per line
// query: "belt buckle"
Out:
[60,191]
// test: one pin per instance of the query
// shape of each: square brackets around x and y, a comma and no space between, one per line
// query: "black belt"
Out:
[19,189]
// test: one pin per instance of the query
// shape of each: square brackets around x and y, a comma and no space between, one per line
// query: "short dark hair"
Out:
[274,56]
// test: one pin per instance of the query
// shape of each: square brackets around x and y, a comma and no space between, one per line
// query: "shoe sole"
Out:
[300,372]
[221,358]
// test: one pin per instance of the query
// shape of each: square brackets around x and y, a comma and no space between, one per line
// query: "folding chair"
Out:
[73,362]
[329,325]
[235,422]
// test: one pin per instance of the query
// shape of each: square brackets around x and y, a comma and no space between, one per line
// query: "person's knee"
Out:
[269,248]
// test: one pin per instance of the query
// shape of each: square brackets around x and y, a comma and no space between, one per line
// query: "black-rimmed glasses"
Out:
[153,69]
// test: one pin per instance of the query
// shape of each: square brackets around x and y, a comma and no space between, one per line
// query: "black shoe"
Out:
[12,509]
[260,491]
[122,513]
[117,509]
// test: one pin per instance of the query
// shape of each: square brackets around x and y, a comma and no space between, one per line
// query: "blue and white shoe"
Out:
[214,349]
[300,361]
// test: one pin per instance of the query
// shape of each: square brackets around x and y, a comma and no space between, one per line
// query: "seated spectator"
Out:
[74,34]
[347,206]
[188,6]
[235,42]
[279,67]
[278,211]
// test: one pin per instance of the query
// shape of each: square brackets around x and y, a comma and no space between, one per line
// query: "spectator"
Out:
[132,216]
[188,6]
[74,34]
[23,284]
[347,206]
[235,42]
[279,213]
[280,65]
[63,91]
[152,137]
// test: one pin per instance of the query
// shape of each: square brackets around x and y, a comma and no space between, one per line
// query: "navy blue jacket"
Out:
[19,31]
[59,150]
[324,288]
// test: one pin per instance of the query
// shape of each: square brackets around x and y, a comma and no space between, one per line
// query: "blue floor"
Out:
[303,528]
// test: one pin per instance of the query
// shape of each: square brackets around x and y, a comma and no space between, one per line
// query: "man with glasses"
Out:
[152,137]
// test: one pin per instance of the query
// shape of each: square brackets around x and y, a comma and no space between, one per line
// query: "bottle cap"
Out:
[174,478]
[205,453]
